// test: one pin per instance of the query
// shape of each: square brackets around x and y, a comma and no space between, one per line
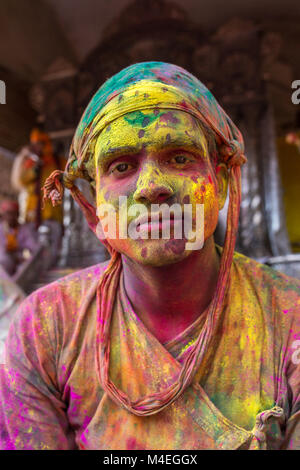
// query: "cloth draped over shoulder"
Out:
[140,86]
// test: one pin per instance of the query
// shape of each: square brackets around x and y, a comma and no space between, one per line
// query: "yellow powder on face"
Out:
[147,137]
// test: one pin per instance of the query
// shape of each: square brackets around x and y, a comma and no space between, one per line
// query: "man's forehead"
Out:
[136,132]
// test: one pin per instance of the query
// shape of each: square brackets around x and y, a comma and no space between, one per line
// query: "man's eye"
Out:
[121,167]
[180,159]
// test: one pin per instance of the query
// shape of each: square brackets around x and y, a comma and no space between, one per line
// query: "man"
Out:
[32,167]
[17,241]
[164,347]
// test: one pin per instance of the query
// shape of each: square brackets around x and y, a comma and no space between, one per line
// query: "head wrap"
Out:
[143,86]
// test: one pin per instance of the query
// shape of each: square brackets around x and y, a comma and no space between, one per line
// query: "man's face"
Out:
[154,157]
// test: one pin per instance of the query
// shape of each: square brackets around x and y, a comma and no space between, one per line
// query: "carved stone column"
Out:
[241,90]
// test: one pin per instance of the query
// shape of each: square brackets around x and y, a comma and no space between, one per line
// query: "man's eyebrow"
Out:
[163,145]
[122,150]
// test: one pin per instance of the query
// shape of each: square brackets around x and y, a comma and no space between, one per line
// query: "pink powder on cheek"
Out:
[144,252]
[176,246]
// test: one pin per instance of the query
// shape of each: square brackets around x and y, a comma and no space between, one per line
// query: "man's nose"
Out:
[152,186]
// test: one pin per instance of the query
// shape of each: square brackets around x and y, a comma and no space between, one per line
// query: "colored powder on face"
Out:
[144,252]
[176,246]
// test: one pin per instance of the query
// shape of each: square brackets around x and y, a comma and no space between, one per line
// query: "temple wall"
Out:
[16,116]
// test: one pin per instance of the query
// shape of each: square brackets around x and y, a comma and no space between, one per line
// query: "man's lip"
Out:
[162,225]
[154,218]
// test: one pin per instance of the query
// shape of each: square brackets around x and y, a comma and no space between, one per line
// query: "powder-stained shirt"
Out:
[51,397]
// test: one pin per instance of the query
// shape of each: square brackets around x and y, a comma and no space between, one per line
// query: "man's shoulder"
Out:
[59,305]
[82,279]
[274,290]
[68,291]
[264,275]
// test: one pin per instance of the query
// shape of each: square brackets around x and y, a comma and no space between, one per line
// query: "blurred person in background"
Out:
[18,242]
[32,167]
[11,297]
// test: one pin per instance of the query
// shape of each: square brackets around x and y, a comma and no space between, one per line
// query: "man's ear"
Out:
[222,180]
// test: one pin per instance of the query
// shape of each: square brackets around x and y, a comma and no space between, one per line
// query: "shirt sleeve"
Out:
[32,414]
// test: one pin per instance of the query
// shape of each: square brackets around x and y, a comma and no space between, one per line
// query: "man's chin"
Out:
[159,252]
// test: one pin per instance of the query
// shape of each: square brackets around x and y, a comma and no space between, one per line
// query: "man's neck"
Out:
[170,298]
